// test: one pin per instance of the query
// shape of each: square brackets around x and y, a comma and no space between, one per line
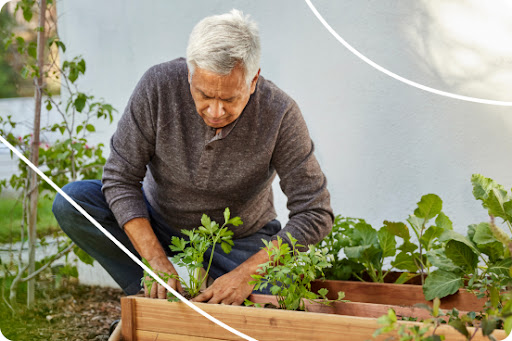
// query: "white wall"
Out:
[381,143]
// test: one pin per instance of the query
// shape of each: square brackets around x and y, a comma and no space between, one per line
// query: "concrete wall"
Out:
[382,144]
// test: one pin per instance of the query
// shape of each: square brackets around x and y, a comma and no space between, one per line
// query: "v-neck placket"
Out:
[207,159]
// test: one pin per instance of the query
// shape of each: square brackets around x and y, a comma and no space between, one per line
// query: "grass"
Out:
[10,217]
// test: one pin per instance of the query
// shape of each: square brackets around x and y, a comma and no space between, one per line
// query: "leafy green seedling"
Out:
[289,273]
[191,252]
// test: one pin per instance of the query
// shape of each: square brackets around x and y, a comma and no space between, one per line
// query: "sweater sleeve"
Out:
[131,148]
[302,181]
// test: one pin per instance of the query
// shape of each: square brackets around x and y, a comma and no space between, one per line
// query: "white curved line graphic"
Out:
[395,76]
[121,246]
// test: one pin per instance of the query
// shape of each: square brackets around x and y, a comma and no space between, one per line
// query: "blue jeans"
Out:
[124,270]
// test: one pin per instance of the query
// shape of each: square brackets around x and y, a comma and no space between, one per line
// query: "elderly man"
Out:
[197,136]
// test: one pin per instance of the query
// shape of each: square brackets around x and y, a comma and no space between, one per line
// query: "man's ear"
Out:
[189,76]
[254,81]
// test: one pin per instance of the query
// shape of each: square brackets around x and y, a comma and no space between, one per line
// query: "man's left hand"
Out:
[232,288]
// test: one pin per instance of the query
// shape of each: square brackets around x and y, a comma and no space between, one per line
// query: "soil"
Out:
[72,312]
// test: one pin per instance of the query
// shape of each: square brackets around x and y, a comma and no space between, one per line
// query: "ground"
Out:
[73,312]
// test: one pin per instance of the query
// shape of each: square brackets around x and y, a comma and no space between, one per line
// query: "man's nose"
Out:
[216,109]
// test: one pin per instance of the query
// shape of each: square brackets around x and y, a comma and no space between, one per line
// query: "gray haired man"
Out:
[197,136]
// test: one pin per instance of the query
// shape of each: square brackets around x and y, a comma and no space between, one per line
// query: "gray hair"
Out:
[219,42]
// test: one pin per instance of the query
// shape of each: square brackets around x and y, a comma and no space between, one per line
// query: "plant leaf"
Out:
[449,235]
[461,255]
[444,222]
[227,213]
[429,206]
[483,234]
[404,261]
[438,259]
[440,283]
[492,195]
[501,267]
[365,234]
[387,242]
[460,327]
[398,229]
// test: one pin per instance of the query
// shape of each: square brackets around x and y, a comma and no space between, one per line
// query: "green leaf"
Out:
[226,247]
[429,206]
[398,229]
[429,236]
[435,307]
[364,234]
[83,256]
[79,129]
[48,105]
[495,251]
[81,65]
[404,277]
[452,235]
[226,214]
[90,128]
[80,102]
[61,45]
[488,326]
[32,50]
[404,261]
[461,255]
[483,234]
[440,283]
[236,221]
[25,72]
[492,195]
[460,327]
[501,267]
[73,73]
[407,246]
[416,222]
[444,222]
[27,12]
[387,242]
[507,325]
[438,259]
[206,221]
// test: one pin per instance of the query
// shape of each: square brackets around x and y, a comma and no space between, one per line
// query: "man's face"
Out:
[220,99]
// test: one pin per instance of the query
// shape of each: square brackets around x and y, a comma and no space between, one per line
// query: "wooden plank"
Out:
[128,319]
[351,308]
[396,294]
[152,336]
[162,317]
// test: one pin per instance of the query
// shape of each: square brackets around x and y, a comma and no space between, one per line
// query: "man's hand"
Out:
[158,290]
[232,288]
[147,245]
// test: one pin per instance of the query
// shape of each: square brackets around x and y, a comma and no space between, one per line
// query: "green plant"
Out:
[190,253]
[482,258]
[68,157]
[289,273]
[366,248]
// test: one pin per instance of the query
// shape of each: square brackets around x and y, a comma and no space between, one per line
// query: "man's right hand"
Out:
[158,290]
[144,240]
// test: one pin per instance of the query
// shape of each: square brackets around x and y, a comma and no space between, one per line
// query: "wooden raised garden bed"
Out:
[145,319]
[396,294]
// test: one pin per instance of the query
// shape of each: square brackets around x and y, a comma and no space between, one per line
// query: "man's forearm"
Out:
[144,240]
[251,265]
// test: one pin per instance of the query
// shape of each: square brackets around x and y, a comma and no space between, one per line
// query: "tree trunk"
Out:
[34,154]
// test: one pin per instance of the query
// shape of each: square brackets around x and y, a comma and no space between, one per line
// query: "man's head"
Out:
[223,56]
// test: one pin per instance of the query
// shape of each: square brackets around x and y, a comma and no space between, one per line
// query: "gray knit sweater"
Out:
[187,170]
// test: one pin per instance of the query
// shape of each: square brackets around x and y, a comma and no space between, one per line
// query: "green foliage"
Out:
[289,273]
[190,253]
[424,332]
[68,157]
